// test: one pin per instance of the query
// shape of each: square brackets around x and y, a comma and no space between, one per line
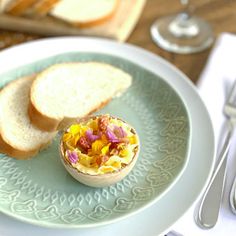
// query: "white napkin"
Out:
[214,85]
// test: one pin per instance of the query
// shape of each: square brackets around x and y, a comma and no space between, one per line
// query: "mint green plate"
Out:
[40,191]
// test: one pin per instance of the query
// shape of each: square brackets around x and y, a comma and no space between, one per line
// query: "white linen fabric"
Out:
[214,85]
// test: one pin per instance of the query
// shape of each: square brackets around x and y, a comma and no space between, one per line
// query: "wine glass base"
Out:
[195,35]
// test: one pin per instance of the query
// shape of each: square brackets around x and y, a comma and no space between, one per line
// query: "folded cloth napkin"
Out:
[214,85]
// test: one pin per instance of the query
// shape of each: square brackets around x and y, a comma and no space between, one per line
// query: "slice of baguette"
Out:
[85,13]
[68,91]
[18,137]
[18,7]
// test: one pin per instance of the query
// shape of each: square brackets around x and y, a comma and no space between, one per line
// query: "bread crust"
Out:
[16,153]
[19,7]
[40,120]
[98,21]
[43,7]
[50,124]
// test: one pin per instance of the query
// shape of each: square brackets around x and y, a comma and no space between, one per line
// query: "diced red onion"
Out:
[111,136]
[73,156]
[91,137]
[119,132]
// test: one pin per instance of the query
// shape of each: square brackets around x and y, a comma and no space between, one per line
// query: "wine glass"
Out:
[182,33]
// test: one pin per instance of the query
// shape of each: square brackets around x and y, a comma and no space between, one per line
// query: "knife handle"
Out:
[210,203]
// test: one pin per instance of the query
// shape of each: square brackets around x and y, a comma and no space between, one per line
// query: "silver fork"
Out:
[232,197]
[173,233]
[209,207]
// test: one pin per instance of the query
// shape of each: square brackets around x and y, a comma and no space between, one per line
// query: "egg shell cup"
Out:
[100,180]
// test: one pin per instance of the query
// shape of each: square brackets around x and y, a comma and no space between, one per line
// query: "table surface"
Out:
[221,14]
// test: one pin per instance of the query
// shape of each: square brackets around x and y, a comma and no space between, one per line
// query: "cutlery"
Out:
[173,233]
[209,207]
[232,200]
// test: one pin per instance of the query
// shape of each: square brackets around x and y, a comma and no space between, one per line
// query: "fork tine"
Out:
[230,105]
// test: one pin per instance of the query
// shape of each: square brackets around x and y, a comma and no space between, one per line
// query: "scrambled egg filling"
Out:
[100,145]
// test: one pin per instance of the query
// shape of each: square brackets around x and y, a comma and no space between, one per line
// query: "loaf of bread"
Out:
[84,13]
[64,92]
[29,8]
[81,13]
[18,137]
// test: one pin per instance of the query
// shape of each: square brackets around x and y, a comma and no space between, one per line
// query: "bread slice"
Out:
[85,13]
[18,137]
[18,7]
[64,92]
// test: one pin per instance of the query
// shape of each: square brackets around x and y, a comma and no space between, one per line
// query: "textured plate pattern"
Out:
[40,191]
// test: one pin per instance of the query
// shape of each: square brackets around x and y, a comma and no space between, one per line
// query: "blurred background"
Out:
[220,14]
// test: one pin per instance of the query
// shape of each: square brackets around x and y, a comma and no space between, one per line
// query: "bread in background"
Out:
[3,4]
[79,13]
[84,13]
[18,7]
[29,8]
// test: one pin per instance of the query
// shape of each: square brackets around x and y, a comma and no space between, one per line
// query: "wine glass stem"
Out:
[184,25]
[182,32]
[186,10]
